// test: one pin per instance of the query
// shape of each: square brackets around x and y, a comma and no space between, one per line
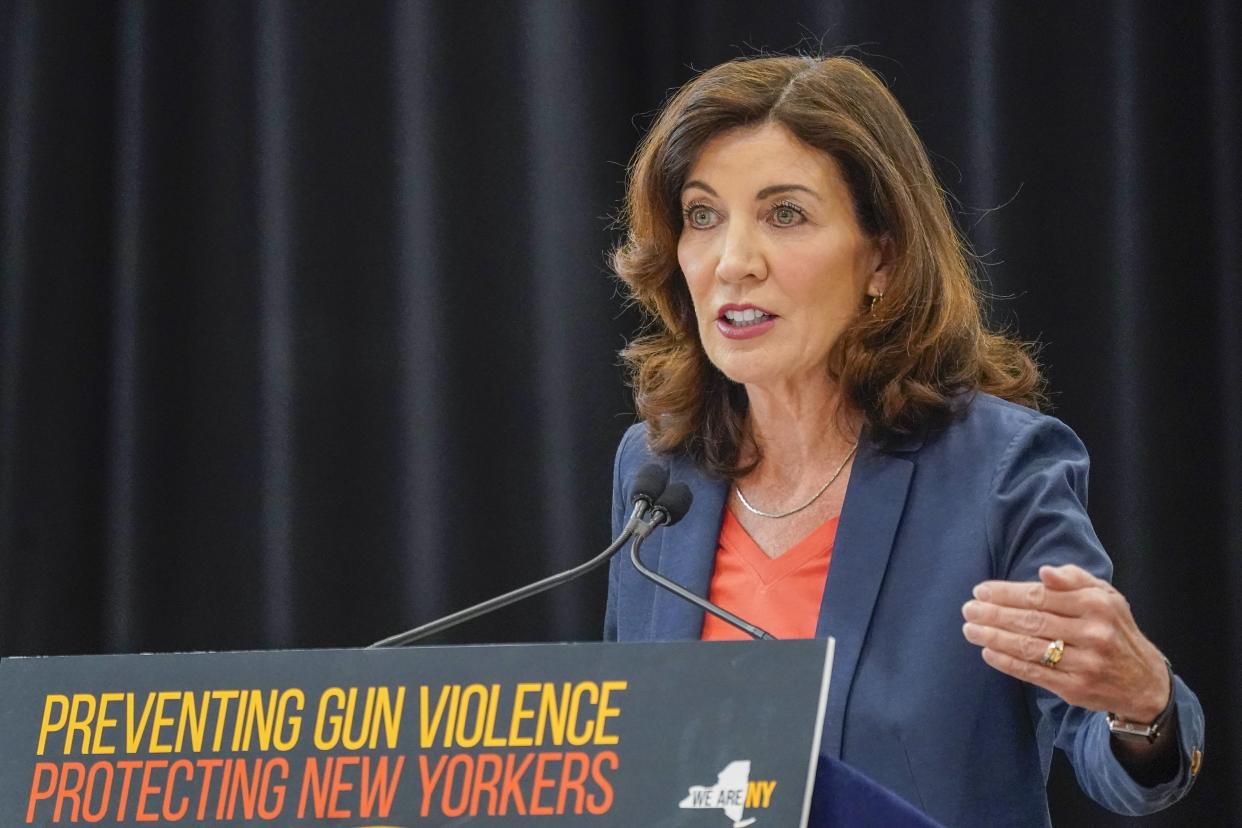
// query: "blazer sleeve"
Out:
[618,521]
[1038,516]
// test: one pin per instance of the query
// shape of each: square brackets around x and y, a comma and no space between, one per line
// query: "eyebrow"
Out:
[762,194]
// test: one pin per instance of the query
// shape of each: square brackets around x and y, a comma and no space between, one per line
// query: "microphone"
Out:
[649,486]
[667,510]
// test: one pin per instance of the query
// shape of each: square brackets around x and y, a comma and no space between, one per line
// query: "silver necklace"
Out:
[795,511]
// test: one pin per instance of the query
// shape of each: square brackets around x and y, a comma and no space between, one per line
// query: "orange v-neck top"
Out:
[781,595]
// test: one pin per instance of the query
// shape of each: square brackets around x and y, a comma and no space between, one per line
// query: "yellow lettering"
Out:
[388,718]
[224,697]
[605,712]
[453,714]
[134,734]
[581,737]
[286,740]
[759,793]
[350,741]
[427,729]
[262,718]
[239,723]
[552,712]
[520,714]
[193,716]
[103,723]
[161,720]
[471,739]
[337,695]
[79,723]
[490,739]
[52,702]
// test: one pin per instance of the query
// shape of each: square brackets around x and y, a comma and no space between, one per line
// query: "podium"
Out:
[673,734]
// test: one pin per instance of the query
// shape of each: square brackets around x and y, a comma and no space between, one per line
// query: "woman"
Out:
[867,461]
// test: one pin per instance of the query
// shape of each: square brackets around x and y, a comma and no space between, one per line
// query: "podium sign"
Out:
[685,734]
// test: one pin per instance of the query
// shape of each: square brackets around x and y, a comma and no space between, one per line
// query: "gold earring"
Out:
[875,298]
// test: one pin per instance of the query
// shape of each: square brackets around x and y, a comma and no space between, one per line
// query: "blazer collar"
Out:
[874,501]
[693,541]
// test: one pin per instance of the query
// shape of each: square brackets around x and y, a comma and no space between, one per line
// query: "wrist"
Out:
[1141,723]
[1154,702]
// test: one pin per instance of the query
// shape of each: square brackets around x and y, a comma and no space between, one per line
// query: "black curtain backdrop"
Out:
[307,334]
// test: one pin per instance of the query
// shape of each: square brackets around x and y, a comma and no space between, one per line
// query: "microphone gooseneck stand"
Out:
[652,493]
[660,516]
[461,616]
[649,484]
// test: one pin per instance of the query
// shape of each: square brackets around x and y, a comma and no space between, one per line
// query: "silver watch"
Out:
[1149,732]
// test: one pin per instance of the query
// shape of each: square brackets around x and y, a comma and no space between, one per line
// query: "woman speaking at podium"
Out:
[867,458]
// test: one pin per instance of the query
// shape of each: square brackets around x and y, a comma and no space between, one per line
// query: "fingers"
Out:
[1107,663]
[1065,590]
[1032,622]
[1069,577]
[1031,595]
[1060,682]
[1024,647]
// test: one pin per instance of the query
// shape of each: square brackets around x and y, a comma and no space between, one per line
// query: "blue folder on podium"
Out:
[845,798]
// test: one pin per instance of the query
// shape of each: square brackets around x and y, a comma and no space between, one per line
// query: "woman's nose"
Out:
[740,257]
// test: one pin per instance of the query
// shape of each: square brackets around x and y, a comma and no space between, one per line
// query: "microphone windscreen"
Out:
[649,483]
[675,502]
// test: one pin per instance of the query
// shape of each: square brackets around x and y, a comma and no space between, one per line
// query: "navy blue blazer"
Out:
[996,494]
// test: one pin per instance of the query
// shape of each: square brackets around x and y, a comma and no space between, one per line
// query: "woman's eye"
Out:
[699,216]
[784,215]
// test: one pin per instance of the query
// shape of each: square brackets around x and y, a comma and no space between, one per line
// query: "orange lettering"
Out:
[604,802]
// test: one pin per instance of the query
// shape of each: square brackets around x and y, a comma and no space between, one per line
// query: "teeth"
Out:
[749,316]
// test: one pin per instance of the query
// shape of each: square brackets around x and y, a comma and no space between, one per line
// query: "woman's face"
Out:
[776,263]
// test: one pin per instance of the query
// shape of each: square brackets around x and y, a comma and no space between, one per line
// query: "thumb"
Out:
[1066,577]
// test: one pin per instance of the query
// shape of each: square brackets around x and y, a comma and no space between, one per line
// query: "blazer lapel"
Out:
[874,500]
[694,541]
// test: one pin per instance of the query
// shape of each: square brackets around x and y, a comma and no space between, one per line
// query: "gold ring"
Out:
[1053,654]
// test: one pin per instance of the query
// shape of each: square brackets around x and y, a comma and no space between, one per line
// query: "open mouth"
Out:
[744,322]
[746,318]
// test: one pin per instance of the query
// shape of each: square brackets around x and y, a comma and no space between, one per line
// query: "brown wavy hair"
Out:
[905,366]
